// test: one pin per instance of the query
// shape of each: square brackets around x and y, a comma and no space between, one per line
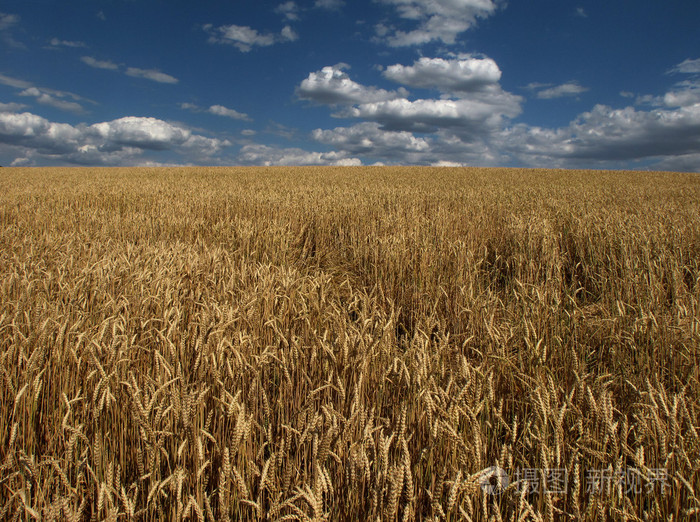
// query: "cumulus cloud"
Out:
[481,105]
[99,64]
[437,20]
[244,38]
[451,164]
[218,110]
[608,135]
[38,133]
[332,86]
[604,137]
[683,94]
[368,138]
[143,133]
[471,123]
[198,146]
[378,146]
[257,154]
[466,74]
[472,108]
[630,134]
[560,91]
[429,115]
[115,142]
[151,74]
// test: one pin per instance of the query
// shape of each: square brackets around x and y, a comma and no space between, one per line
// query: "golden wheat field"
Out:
[349,344]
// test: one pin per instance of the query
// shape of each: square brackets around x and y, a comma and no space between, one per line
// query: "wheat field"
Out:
[366,343]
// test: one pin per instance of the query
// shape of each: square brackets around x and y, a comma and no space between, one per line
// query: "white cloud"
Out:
[155,134]
[45,98]
[608,136]
[7,23]
[687,67]
[116,142]
[218,110]
[99,64]
[461,127]
[244,38]
[198,146]
[439,20]
[14,82]
[28,129]
[684,94]
[151,74]
[11,107]
[444,163]
[462,75]
[143,133]
[560,91]
[55,42]
[370,142]
[368,138]
[630,134]
[427,115]
[288,34]
[332,85]
[581,12]
[470,123]
[348,162]
[257,154]
[535,86]
[290,10]
[331,5]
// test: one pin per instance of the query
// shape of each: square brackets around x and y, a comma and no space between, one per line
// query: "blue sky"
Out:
[537,83]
